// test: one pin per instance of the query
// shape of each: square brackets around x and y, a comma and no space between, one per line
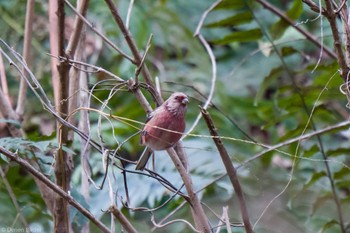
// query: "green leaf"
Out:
[286,51]
[268,81]
[76,217]
[343,184]
[241,36]
[229,4]
[315,177]
[280,27]
[320,201]
[328,225]
[344,171]
[338,152]
[237,19]
[311,151]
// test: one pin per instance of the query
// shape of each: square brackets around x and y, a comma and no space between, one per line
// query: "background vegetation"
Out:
[276,91]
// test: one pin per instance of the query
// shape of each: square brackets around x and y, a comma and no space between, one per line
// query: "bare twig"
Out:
[139,67]
[29,168]
[313,6]
[127,21]
[170,214]
[21,102]
[97,69]
[340,7]
[231,171]
[158,225]
[226,217]
[204,15]
[122,219]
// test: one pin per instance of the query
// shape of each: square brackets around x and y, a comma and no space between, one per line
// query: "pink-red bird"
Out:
[164,127]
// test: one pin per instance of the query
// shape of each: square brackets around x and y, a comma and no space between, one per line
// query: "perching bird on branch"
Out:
[164,127]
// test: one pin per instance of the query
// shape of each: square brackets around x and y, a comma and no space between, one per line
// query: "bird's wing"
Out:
[149,117]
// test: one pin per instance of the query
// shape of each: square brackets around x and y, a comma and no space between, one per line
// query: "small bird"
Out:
[164,127]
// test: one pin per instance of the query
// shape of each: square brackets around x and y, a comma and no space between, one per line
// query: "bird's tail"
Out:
[146,154]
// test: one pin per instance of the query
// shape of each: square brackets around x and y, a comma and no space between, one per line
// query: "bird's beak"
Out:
[185,101]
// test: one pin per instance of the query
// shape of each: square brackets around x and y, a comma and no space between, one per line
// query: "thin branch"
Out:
[122,219]
[158,225]
[97,69]
[139,67]
[231,171]
[305,33]
[313,6]
[226,217]
[21,102]
[127,21]
[340,7]
[170,214]
[29,168]
[204,16]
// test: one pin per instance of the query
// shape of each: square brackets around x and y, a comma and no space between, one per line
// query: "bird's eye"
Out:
[176,97]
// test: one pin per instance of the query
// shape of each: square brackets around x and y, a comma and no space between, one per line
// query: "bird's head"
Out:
[177,103]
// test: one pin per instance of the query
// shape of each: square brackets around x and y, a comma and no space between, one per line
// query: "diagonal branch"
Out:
[231,171]
[122,219]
